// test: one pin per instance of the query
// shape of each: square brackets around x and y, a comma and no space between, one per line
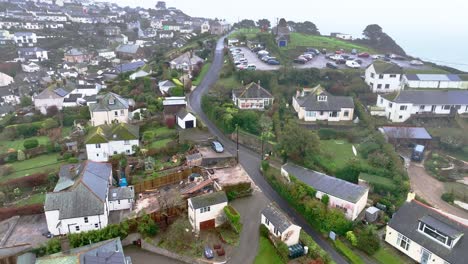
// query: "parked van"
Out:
[418,153]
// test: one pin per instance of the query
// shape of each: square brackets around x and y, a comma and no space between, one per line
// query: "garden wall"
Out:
[172,178]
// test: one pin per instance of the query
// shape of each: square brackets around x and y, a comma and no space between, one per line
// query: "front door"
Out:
[425,256]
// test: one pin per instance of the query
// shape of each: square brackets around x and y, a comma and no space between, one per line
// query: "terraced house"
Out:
[107,140]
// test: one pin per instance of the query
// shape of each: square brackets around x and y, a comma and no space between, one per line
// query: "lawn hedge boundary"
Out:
[32,209]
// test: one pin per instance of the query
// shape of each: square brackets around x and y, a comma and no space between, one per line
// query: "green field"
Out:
[458,189]
[337,153]
[386,255]
[267,253]
[301,41]
[347,252]
[250,33]
[373,179]
[202,74]
[34,165]
[160,143]
[162,132]
[37,198]
[18,144]
[426,70]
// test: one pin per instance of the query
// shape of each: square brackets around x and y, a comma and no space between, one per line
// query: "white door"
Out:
[425,256]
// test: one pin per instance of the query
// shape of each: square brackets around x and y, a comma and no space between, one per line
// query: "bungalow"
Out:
[280,225]
[426,235]
[110,108]
[317,104]
[186,61]
[106,140]
[30,67]
[405,104]
[32,54]
[348,197]
[25,39]
[128,51]
[75,55]
[79,201]
[435,81]
[207,211]
[384,77]
[6,79]
[252,96]
[165,86]
[404,135]
[341,36]
[186,119]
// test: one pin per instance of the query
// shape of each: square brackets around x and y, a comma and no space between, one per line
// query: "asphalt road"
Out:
[249,159]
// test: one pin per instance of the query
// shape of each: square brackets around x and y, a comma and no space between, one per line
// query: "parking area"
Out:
[253,59]
[29,229]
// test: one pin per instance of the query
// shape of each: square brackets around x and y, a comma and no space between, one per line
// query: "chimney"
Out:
[411,196]
[65,245]
[259,83]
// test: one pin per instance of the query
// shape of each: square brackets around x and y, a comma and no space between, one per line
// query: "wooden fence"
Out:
[169,179]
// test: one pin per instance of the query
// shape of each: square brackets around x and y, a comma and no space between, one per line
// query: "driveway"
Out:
[29,229]
[251,163]
[430,189]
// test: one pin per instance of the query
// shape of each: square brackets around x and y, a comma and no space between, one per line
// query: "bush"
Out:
[265,165]
[264,232]
[367,148]
[325,199]
[50,123]
[8,212]
[147,227]
[30,143]
[72,160]
[315,251]
[30,181]
[283,250]
[351,237]
[448,197]
[368,240]
[328,133]
[348,253]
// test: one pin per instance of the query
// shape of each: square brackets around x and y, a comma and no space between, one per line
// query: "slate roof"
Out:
[333,103]
[105,252]
[121,193]
[167,83]
[86,197]
[185,58]
[126,67]
[182,113]
[406,221]
[433,77]
[433,97]
[47,94]
[103,103]
[327,184]
[208,199]
[75,52]
[112,132]
[33,49]
[382,67]
[72,98]
[67,176]
[406,132]
[128,48]
[252,90]
[277,218]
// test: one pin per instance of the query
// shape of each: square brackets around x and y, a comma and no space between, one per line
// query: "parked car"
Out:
[47,234]
[336,57]
[354,51]
[256,49]
[308,56]
[251,67]
[340,61]
[217,146]
[353,64]
[363,55]
[331,65]
[243,59]
[273,62]
[358,61]
[418,153]
[346,57]
[263,52]
[339,52]
[300,60]
[324,51]
[241,67]
[377,56]
[265,58]
[416,63]
[208,252]
[314,51]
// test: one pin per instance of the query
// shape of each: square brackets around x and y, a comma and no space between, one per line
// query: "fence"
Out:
[252,142]
[169,179]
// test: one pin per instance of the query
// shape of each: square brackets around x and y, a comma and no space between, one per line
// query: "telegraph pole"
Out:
[237,142]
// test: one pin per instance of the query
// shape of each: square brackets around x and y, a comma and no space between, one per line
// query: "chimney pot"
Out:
[411,196]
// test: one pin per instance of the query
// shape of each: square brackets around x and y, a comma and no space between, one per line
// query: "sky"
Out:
[429,29]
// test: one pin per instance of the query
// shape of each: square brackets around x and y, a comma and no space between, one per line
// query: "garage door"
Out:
[207,224]
[189,124]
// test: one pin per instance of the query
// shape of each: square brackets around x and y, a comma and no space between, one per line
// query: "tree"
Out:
[52,111]
[49,123]
[325,199]
[264,24]
[376,38]
[25,101]
[296,142]
[246,23]
[30,143]
[305,27]
[368,240]
[147,227]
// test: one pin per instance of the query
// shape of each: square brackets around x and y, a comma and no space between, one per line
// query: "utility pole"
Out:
[237,142]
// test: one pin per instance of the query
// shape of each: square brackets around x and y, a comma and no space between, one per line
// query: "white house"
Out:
[384,77]
[121,198]
[79,201]
[49,97]
[408,103]
[30,67]
[426,235]
[206,211]
[186,61]
[205,27]
[186,119]
[110,108]
[165,86]
[348,197]
[313,104]
[106,53]
[435,81]
[6,79]
[25,39]
[106,140]
[253,97]
[280,226]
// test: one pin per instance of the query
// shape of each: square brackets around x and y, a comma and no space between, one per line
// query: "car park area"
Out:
[254,60]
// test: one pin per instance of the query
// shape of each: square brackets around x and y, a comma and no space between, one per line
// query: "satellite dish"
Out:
[354,151]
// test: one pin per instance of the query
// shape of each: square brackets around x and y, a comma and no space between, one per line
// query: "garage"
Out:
[185,119]
[207,224]
[189,124]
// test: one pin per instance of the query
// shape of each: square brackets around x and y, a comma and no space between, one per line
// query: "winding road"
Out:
[251,163]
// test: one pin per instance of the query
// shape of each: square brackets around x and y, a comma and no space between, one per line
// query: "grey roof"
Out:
[188,58]
[103,103]
[67,175]
[121,193]
[252,90]
[182,113]
[441,226]
[433,77]
[75,52]
[406,221]
[382,67]
[72,98]
[127,48]
[86,197]
[167,83]
[132,66]
[333,103]
[406,132]
[61,92]
[208,199]
[277,218]
[33,49]
[47,94]
[433,97]
[327,184]
[20,34]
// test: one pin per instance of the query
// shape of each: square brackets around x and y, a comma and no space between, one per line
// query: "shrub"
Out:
[6,170]
[448,197]
[348,253]
[30,143]
[265,165]
[328,133]
[368,240]
[283,250]
[351,237]
[367,148]
[8,212]
[67,155]
[21,155]
[50,123]
[325,199]
[315,251]
[147,227]
[73,160]
[264,232]
[33,180]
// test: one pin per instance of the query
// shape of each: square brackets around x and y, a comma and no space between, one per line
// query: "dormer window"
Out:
[111,101]
[322,98]
[439,231]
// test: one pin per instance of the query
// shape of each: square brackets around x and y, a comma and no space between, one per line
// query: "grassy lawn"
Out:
[18,144]
[202,74]
[161,132]
[426,70]
[267,253]
[348,253]
[34,165]
[160,143]
[374,179]
[299,40]
[337,152]
[386,255]
[230,82]
[37,198]
[250,33]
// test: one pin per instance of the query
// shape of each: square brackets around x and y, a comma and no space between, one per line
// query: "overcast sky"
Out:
[436,30]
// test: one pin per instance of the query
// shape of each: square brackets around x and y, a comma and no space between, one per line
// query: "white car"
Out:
[377,56]
[416,63]
[353,64]
[263,52]
[243,60]
[336,57]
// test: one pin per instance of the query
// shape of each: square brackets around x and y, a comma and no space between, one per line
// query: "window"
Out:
[310,113]
[276,231]
[267,222]
[204,209]
[391,105]
[128,151]
[421,107]
[387,86]
[115,152]
[97,154]
[381,76]
[116,113]
[96,225]
[403,242]
[446,107]
[86,219]
[321,112]
[400,117]
[98,146]
[379,86]
[77,228]
[372,75]
[322,98]
[334,114]
[371,84]
[118,201]
[392,75]
[126,142]
[346,113]
[403,107]
[122,112]
[434,234]
[381,100]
